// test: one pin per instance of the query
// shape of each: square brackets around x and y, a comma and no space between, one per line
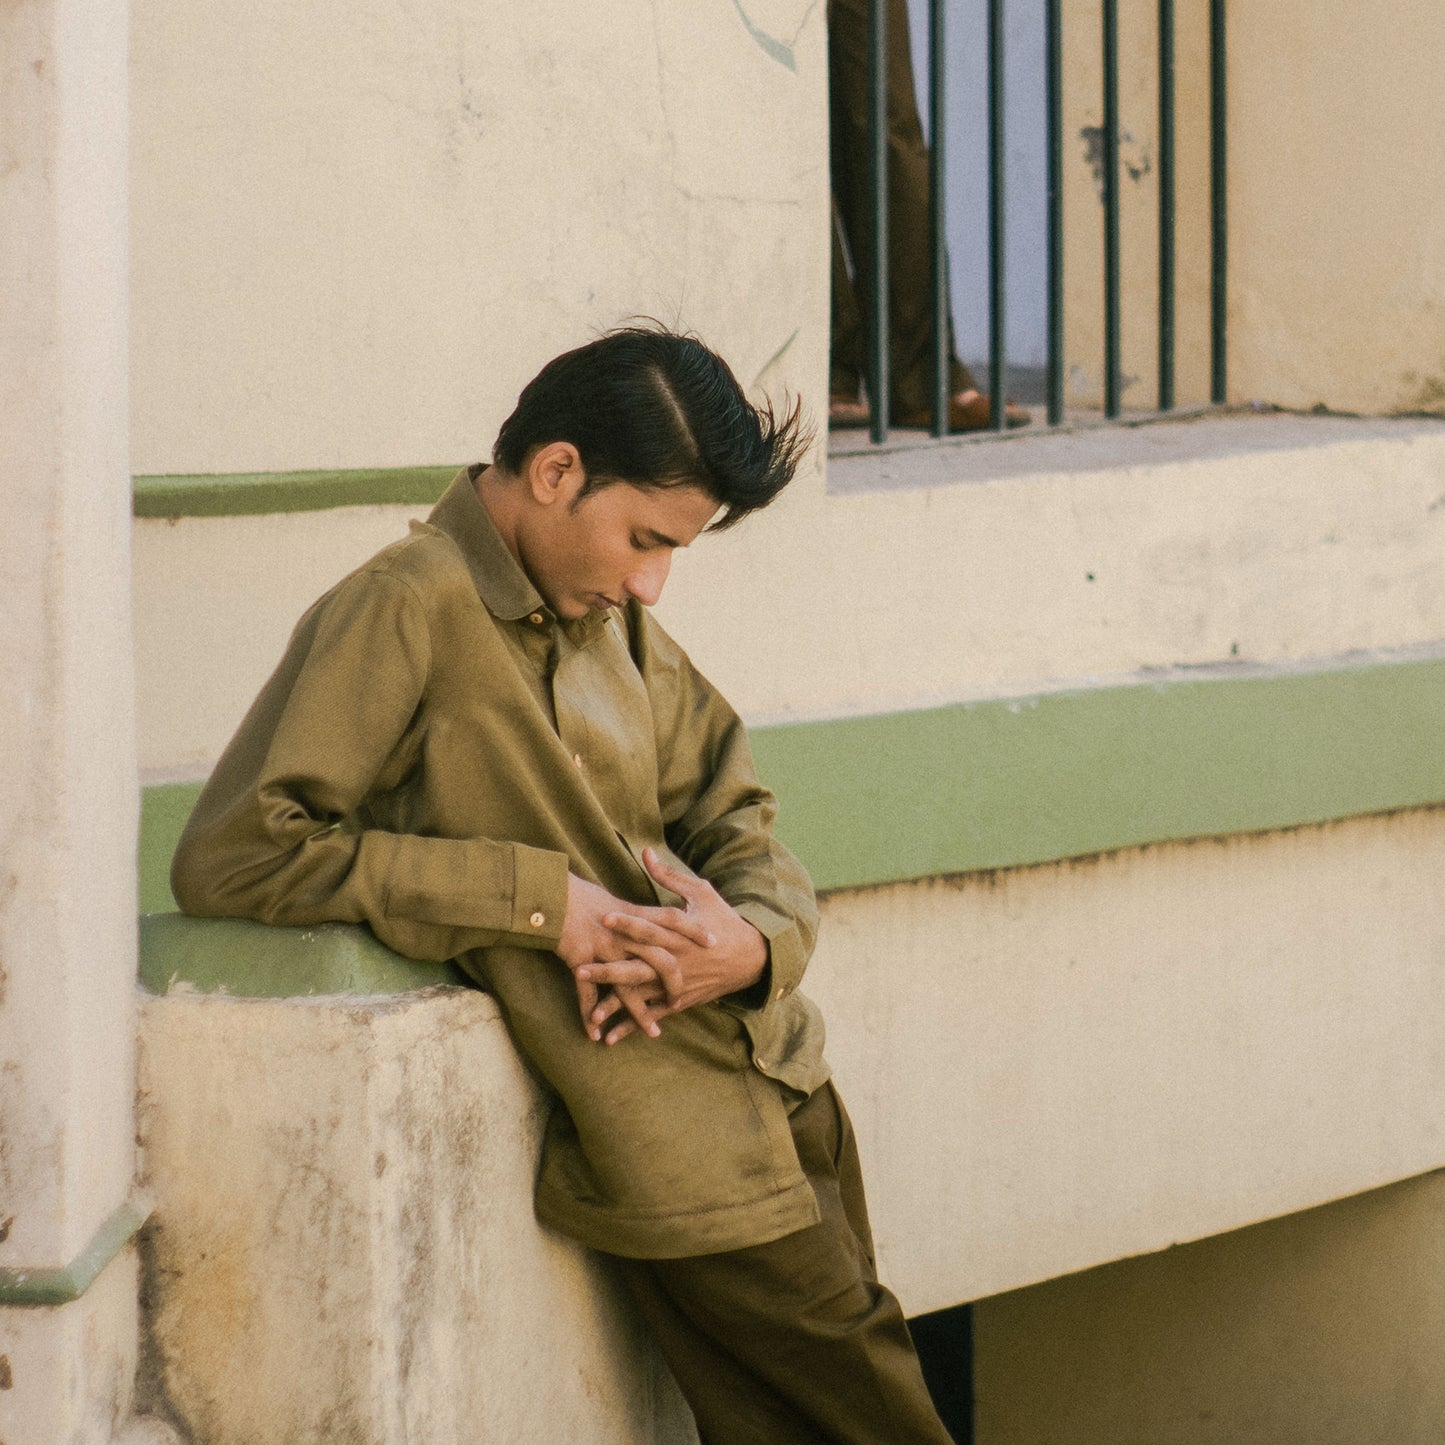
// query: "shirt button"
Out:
[536,619]
[762,1064]
[537,919]
[781,993]
[577,758]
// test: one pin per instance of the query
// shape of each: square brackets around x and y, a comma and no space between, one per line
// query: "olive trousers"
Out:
[793,1342]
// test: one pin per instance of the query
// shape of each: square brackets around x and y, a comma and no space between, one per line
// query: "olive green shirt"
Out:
[433,755]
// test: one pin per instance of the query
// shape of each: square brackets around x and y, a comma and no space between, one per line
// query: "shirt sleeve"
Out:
[282,831]
[718,817]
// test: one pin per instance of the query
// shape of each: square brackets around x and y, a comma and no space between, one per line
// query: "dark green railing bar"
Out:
[937,214]
[1166,205]
[1054,123]
[996,328]
[1218,208]
[1111,208]
[878,379]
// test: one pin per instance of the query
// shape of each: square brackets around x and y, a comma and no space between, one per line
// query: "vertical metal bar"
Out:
[1111,208]
[878,380]
[996,330]
[938,216]
[1054,102]
[1218,208]
[1166,205]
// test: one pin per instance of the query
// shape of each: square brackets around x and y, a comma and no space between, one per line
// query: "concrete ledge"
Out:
[344,1246]
[256,960]
[1182,753]
[1007,781]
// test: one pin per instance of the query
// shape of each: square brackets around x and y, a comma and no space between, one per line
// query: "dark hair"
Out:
[646,405]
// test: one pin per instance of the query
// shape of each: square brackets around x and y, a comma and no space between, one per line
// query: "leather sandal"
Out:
[968,410]
[846,411]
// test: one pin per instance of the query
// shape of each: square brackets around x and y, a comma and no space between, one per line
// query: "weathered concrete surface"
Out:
[1054,1067]
[67,1370]
[68,806]
[344,1248]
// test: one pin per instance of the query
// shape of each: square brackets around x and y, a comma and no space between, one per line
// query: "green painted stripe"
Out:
[994,784]
[258,960]
[164,809]
[62,1286]
[242,494]
[1009,782]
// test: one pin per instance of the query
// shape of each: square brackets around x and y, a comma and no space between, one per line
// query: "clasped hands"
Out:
[634,964]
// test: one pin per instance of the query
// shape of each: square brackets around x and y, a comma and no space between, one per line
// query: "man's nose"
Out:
[645,583]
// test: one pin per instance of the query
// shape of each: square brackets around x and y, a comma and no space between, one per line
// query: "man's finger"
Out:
[666,967]
[667,920]
[587,1002]
[620,971]
[642,1011]
[661,961]
[608,1004]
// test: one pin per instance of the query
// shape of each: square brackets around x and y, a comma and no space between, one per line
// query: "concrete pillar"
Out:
[67,784]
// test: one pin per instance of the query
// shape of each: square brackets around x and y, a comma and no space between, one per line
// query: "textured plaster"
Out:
[476,190]
[981,571]
[1090,1060]
[344,1247]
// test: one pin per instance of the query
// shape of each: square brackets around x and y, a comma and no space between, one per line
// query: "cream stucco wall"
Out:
[1337,212]
[1057,1066]
[983,570]
[68,796]
[359,229]
[1336,216]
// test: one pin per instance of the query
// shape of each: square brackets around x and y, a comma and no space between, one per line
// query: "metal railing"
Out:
[877,282]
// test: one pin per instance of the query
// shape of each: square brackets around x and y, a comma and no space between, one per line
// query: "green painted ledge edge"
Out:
[244,494]
[31,1287]
[1008,783]
[1011,782]
[258,960]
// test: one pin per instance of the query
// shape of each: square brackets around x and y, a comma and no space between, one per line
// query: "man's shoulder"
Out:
[427,563]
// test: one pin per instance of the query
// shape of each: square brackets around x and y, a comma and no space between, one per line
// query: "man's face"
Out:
[613,544]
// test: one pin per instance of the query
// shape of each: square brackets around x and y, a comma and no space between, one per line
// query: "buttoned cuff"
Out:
[786,957]
[539,895]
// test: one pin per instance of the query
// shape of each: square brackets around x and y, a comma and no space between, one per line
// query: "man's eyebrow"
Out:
[658,539]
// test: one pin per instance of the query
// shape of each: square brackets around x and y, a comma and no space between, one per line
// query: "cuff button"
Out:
[537,920]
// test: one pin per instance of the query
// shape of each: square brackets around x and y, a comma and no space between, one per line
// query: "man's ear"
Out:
[554,473]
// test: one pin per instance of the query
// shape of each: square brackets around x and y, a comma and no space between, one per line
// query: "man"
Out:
[481,745]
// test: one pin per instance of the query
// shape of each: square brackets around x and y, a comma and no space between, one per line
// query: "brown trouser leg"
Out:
[910,303]
[794,1342]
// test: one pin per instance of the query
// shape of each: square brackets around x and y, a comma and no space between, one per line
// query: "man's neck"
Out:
[500,495]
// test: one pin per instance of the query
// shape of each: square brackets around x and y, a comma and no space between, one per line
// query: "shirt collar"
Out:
[504,588]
